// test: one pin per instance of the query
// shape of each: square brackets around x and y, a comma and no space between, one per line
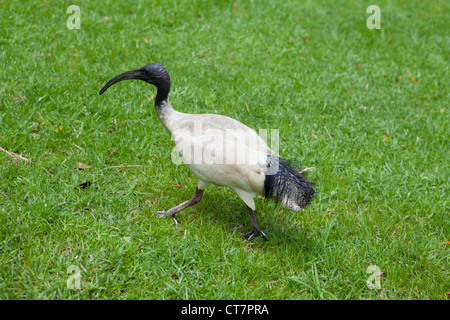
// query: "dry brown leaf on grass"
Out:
[179,186]
[78,147]
[16,157]
[248,110]
[83,166]
[112,152]
[84,185]
[17,98]
[379,274]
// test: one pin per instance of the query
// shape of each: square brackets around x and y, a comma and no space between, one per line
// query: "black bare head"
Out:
[153,73]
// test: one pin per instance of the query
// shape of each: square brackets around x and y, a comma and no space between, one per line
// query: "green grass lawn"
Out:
[369,109]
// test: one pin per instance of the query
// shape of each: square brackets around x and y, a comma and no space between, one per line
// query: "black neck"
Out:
[162,94]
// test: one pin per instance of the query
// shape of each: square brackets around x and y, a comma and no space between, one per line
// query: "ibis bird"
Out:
[222,151]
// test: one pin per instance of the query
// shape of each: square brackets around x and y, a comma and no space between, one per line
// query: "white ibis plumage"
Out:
[224,152]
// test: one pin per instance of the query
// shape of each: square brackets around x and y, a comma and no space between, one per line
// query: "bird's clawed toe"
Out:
[249,236]
[163,214]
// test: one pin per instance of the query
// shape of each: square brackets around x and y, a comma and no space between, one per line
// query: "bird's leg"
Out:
[194,199]
[255,229]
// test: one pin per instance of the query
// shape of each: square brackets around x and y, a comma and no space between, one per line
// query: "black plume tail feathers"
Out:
[286,186]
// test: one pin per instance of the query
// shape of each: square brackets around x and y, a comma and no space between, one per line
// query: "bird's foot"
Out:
[249,236]
[163,214]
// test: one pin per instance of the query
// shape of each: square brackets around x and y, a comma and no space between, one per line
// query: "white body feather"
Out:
[219,150]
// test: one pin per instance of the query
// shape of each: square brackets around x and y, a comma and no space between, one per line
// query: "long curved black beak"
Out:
[133,74]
